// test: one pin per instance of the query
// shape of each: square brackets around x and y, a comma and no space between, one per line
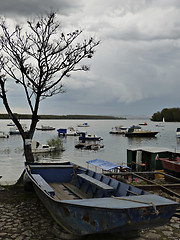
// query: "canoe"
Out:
[85,202]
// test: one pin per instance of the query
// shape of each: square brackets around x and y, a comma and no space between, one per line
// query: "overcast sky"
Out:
[136,68]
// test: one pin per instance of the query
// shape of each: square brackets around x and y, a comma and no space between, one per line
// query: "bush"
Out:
[57,143]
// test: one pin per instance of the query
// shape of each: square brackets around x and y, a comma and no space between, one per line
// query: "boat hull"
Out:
[102,214]
[84,220]
[141,134]
[45,129]
[171,166]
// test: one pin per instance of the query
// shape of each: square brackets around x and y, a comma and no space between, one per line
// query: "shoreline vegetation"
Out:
[41,117]
[168,114]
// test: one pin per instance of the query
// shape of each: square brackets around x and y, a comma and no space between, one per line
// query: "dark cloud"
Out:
[12,8]
[135,69]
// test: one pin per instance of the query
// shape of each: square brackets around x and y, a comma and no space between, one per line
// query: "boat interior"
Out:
[68,182]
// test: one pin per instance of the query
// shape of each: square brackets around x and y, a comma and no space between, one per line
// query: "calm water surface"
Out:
[115,146]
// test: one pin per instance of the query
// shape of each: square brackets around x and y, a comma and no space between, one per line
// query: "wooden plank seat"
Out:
[98,184]
[43,184]
[75,190]
[61,192]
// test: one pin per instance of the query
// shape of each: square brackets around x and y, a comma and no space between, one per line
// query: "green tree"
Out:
[38,59]
[169,114]
[156,117]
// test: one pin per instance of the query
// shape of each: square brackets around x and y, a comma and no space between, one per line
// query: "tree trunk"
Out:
[27,151]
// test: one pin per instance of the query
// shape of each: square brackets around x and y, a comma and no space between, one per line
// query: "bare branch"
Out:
[39,58]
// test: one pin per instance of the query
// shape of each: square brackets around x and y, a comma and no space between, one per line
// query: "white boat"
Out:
[70,131]
[37,147]
[3,135]
[45,128]
[83,125]
[160,125]
[89,137]
[178,132]
[144,123]
[118,130]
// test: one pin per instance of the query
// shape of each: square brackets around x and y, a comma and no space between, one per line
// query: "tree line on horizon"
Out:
[29,116]
[168,114]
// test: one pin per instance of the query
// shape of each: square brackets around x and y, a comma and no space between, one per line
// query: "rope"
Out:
[131,200]
[75,167]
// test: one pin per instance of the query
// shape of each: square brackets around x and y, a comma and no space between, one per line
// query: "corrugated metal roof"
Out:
[105,165]
[154,149]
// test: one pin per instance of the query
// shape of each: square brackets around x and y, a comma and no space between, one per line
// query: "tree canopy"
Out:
[169,114]
[37,56]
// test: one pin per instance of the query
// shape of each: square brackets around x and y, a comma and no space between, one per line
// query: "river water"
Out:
[115,146]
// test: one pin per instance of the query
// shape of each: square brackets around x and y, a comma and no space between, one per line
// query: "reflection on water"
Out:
[140,140]
[178,140]
[52,156]
[115,146]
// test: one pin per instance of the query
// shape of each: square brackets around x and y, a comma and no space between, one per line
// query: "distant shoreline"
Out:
[54,117]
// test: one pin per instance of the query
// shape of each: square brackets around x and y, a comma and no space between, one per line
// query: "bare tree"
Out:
[38,59]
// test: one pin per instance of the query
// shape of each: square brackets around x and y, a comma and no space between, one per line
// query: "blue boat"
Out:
[88,137]
[85,202]
[70,131]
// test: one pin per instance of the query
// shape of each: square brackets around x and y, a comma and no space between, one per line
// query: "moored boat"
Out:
[11,124]
[136,131]
[89,146]
[45,128]
[178,132]
[70,131]
[171,165]
[89,137]
[84,202]
[3,135]
[37,147]
[160,125]
[144,123]
[118,130]
[83,125]
[15,131]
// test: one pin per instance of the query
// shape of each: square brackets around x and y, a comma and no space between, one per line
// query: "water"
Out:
[115,146]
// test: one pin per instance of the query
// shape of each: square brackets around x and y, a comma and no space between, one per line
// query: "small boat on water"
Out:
[118,130]
[11,124]
[37,147]
[89,146]
[15,131]
[136,131]
[144,123]
[3,135]
[160,125]
[178,132]
[70,131]
[89,137]
[83,125]
[85,202]
[45,128]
